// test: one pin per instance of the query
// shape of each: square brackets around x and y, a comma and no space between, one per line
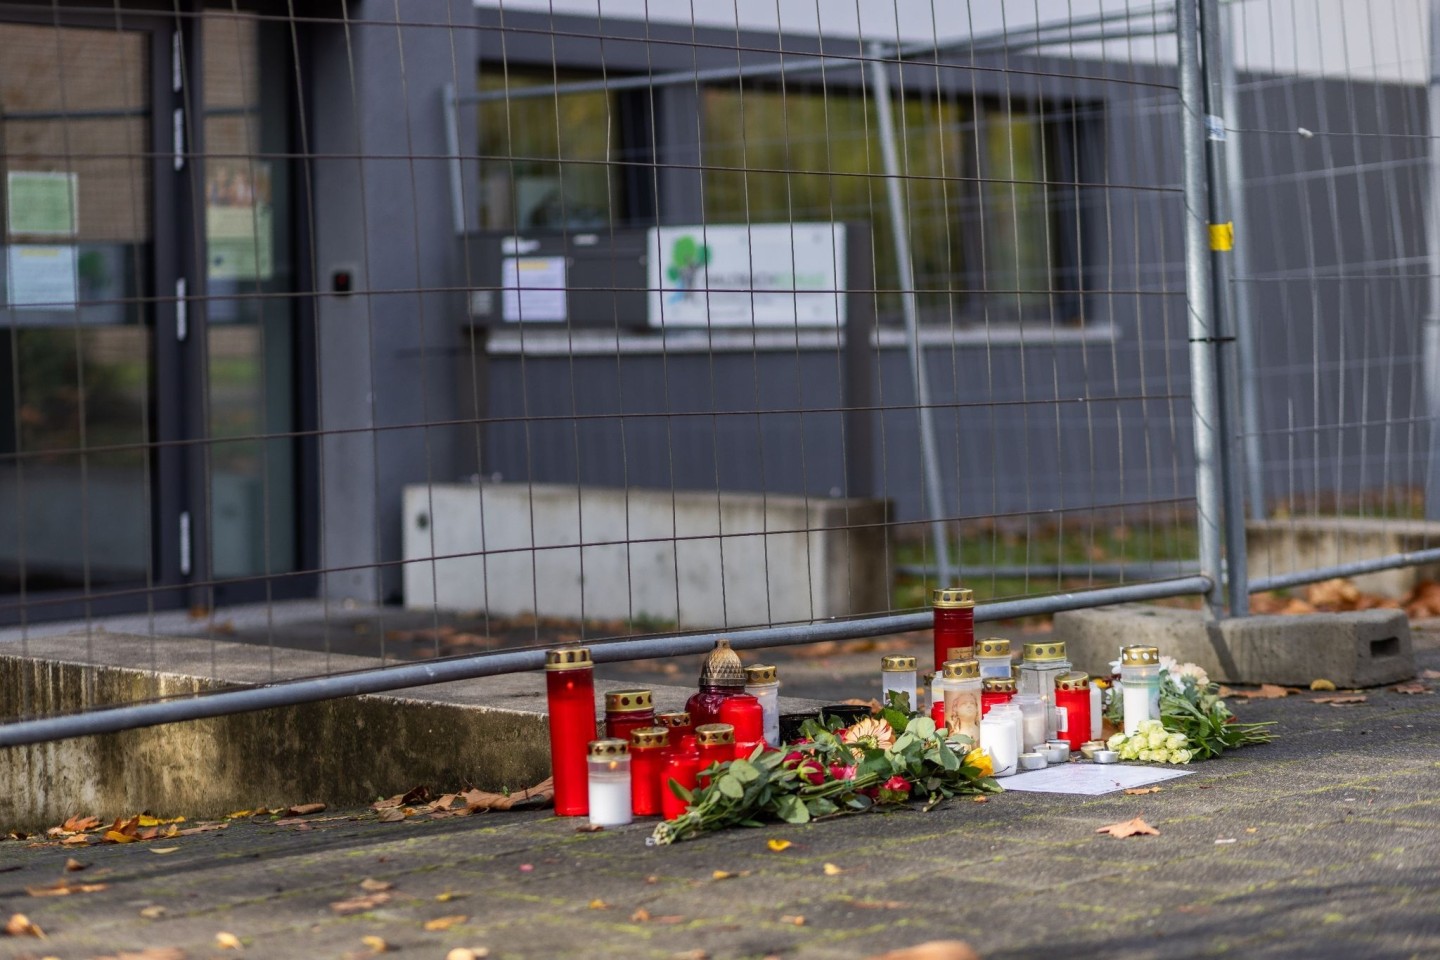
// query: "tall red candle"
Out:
[717,745]
[681,765]
[570,693]
[954,609]
[648,752]
[627,710]
[744,713]
[1072,708]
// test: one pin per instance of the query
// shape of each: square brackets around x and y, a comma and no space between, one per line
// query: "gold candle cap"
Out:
[568,658]
[628,701]
[714,734]
[1073,681]
[896,663]
[650,737]
[1042,652]
[676,718]
[962,669]
[722,667]
[609,747]
[959,653]
[1139,656]
[950,598]
[761,673]
[998,684]
[994,647]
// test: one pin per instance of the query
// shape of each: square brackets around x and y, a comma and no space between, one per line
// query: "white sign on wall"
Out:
[763,275]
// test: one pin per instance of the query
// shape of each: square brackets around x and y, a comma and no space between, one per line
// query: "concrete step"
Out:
[490,732]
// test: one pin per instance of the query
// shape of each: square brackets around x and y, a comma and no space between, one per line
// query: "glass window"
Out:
[547,161]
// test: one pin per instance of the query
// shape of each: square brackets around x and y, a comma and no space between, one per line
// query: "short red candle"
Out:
[678,723]
[570,695]
[627,710]
[744,713]
[717,745]
[1072,708]
[954,610]
[649,749]
[937,714]
[993,692]
[681,765]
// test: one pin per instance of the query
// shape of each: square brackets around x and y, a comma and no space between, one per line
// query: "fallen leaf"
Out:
[376,944]
[244,814]
[145,820]
[420,794]
[1411,687]
[599,905]
[640,916]
[445,923]
[589,828]
[833,871]
[147,953]
[20,925]
[228,941]
[1322,684]
[72,865]
[1137,791]
[63,888]
[447,896]
[979,799]
[163,850]
[464,953]
[360,904]
[1340,701]
[1430,674]
[78,840]
[80,824]
[153,912]
[778,846]
[1129,828]
[375,886]
[305,809]
[537,796]
[391,815]
[189,831]
[1266,691]
[722,875]
[933,950]
[794,921]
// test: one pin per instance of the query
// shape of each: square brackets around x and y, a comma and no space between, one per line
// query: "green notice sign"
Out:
[42,203]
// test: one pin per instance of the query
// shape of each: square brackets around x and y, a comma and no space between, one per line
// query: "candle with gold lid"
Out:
[609,782]
[627,710]
[994,691]
[960,684]
[954,612]
[677,722]
[1072,708]
[994,656]
[570,697]
[648,750]
[897,676]
[722,676]
[1040,664]
[1140,684]
[716,743]
[762,682]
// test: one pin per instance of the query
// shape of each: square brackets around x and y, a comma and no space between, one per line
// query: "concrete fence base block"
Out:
[1360,649]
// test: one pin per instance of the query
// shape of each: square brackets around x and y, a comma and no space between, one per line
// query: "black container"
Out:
[790,724]
[847,713]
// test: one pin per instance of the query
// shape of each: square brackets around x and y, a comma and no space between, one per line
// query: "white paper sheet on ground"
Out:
[1088,779]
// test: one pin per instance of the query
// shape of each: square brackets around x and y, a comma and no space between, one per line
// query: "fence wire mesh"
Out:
[340,335]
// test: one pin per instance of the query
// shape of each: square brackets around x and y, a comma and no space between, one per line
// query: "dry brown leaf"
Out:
[1137,791]
[63,888]
[360,904]
[641,915]
[1412,687]
[833,871]
[72,865]
[598,904]
[305,809]
[375,886]
[1343,700]
[80,824]
[538,796]
[420,794]
[467,953]
[1321,683]
[376,944]
[245,814]
[20,925]
[447,896]
[1430,674]
[147,953]
[153,912]
[77,840]
[933,950]
[1266,691]
[228,941]
[1129,828]
[145,820]
[391,815]
[797,921]
[979,799]
[189,831]
[445,923]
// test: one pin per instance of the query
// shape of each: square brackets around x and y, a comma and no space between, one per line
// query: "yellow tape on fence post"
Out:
[1222,236]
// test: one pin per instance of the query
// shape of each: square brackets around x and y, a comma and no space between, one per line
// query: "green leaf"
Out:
[820,807]
[791,809]
[921,727]
[744,771]
[680,791]
[730,787]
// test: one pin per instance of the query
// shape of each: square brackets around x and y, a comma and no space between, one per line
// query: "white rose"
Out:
[1114,742]
[1147,755]
[1180,756]
[1156,741]
[1175,741]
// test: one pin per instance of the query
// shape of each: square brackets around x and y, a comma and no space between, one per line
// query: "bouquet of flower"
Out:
[1151,743]
[833,770]
[1191,708]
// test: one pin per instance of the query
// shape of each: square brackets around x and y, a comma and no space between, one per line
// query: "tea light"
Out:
[1087,750]
[609,768]
[1056,754]
[1032,761]
[1106,756]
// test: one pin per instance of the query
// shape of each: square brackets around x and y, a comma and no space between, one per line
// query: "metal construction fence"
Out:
[359,326]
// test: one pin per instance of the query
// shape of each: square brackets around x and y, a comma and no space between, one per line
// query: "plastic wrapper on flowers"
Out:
[832,772]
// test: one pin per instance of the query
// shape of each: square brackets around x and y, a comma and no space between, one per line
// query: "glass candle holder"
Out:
[570,698]
[627,710]
[721,677]
[1012,712]
[716,742]
[960,682]
[682,763]
[1040,664]
[997,738]
[1033,707]
[677,722]
[747,718]
[994,656]
[1072,709]
[954,610]
[897,676]
[649,748]
[762,682]
[1140,685]
[609,783]
[995,691]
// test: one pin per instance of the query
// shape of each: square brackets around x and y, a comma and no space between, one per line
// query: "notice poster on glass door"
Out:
[41,277]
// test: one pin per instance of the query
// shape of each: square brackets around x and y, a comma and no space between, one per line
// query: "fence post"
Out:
[1430,335]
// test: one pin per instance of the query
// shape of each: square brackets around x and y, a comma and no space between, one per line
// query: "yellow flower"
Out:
[870,732]
[981,761]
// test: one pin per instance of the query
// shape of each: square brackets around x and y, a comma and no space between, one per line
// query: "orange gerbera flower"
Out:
[871,732]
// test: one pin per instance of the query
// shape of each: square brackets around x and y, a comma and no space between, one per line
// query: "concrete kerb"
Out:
[491,732]
[1355,649]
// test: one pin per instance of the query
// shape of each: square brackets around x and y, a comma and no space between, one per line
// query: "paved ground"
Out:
[1324,844]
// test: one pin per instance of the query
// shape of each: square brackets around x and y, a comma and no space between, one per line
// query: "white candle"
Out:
[1140,705]
[998,739]
[610,797]
[1096,707]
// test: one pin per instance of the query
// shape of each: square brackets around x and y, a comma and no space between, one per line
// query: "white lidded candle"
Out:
[1033,733]
[997,738]
[609,783]
[1140,680]
[763,683]
[1097,719]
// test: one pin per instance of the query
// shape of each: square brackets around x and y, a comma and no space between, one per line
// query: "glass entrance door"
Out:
[76,310]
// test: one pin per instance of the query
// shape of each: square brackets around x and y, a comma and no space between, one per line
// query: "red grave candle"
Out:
[570,695]
[627,710]
[648,753]
[678,723]
[744,713]
[681,765]
[993,690]
[721,678]
[954,609]
[937,713]
[1072,708]
[717,745]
